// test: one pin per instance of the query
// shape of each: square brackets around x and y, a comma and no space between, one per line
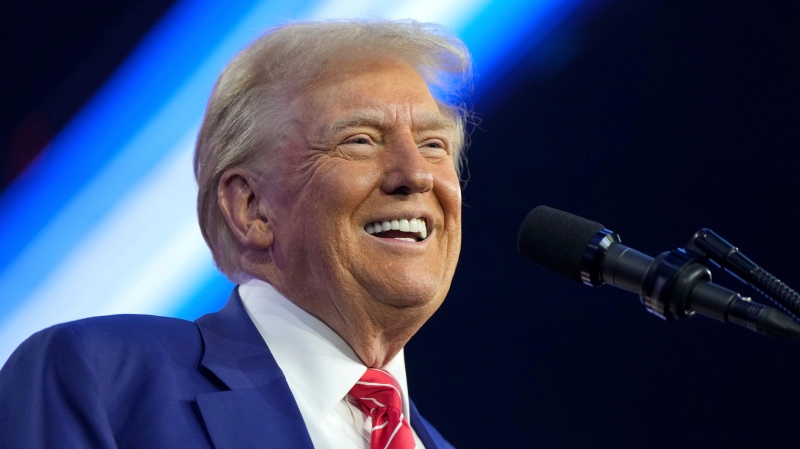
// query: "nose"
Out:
[407,172]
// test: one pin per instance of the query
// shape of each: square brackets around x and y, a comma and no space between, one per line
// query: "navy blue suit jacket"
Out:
[136,381]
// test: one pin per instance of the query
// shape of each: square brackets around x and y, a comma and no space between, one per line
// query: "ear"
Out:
[241,204]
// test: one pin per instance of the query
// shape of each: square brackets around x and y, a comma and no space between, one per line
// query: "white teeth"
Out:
[416,226]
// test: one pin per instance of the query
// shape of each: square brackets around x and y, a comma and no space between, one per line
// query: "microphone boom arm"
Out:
[707,244]
[674,286]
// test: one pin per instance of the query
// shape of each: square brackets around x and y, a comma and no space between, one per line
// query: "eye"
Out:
[433,148]
[358,146]
[360,139]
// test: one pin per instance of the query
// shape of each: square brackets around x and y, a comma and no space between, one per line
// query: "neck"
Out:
[376,331]
[376,334]
[375,328]
[377,339]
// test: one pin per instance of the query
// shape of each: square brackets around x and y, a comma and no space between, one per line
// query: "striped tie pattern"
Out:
[378,395]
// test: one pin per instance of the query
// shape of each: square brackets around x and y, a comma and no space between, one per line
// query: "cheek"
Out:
[344,185]
[449,193]
[330,199]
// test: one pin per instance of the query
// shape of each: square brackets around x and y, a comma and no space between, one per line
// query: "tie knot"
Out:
[377,389]
[378,395]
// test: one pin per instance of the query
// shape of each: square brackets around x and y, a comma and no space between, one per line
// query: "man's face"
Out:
[374,149]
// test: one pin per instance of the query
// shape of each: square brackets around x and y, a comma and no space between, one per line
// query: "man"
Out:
[329,190]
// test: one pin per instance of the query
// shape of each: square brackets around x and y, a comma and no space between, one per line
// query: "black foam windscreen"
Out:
[556,240]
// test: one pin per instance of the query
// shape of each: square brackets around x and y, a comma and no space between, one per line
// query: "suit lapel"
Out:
[425,431]
[258,409]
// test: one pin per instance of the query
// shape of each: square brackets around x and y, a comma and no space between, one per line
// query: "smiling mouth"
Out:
[410,230]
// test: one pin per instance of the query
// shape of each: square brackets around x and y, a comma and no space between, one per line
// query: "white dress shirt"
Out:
[319,366]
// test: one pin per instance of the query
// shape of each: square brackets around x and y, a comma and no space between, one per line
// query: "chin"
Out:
[411,292]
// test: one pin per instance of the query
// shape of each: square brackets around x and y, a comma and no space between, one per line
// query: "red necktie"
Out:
[378,395]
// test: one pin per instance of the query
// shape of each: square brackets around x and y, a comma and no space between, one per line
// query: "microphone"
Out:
[671,285]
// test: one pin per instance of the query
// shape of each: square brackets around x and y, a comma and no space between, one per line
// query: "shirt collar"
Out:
[319,366]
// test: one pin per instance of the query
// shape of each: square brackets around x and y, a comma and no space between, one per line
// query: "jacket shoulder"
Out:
[110,379]
[113,347]
[107,336]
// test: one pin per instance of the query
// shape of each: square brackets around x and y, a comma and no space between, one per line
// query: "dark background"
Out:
[655,118]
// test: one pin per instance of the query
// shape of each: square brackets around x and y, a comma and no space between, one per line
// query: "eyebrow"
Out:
[376,118]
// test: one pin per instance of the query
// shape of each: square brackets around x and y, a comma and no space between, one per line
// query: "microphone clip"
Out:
[668,284]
